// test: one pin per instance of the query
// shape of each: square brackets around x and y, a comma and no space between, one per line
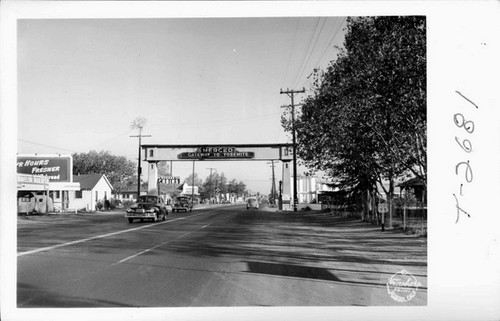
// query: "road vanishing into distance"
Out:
[212,257]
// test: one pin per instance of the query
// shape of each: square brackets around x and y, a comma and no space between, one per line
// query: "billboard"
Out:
[58,168]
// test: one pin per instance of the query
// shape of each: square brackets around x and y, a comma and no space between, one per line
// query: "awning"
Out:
[64,186]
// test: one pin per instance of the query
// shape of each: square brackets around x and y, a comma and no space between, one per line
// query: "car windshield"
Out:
[147,199]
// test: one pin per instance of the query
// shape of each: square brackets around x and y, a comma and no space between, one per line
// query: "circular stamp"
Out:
[403,286]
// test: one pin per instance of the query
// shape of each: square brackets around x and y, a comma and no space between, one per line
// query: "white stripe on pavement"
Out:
[154,247]
[48,248]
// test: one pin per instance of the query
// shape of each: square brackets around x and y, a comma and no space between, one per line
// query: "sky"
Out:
[81,83]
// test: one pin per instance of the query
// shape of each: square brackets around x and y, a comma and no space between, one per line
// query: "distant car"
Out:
[147,207]
[182,203]
[252,202]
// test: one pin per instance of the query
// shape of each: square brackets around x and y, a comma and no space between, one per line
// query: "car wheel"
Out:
[130,220]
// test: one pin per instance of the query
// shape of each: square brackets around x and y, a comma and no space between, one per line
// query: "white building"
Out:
[95,189]
[308,188]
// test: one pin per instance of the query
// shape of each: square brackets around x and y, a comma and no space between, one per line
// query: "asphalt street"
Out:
[219,256]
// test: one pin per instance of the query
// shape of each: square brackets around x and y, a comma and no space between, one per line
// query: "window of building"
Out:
[151,153]
[57,194]
[97,196]
[78,194]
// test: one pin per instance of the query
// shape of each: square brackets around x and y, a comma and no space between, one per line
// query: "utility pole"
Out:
[140,126]
[211,178]
[192,187]
[273,186]
[291,94]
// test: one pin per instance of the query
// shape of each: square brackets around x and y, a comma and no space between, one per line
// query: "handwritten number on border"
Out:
[466,146]
[468,171]
[460,121]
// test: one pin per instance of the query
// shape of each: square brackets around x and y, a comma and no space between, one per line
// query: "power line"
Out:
[44,145]
[291,51]
[333,37]
[307,50]
[311,51]
[218,122]
[112,139]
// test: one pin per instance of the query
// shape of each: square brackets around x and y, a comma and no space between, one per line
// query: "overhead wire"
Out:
[338,28]
[292,50]
[306,51]
[331,41]
[45,145]
[306,62]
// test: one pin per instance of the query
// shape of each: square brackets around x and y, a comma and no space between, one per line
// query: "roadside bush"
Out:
[127,203]
[114,203]
[99,206]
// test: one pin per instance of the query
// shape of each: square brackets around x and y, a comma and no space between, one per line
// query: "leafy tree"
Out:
[213,182]
[236,187]
[197,181]
[365,121]
[120,171]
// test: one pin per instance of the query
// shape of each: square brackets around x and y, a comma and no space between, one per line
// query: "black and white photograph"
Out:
[251,161]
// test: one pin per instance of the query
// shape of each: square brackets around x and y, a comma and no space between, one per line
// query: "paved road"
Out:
[224,256]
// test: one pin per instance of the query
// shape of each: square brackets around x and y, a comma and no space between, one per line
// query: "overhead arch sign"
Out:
[155,153]
[216,153]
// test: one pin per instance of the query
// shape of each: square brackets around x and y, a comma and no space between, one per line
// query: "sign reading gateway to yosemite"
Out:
[215,153]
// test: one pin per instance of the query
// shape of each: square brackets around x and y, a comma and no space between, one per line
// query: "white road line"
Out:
[154,247]
[48,248]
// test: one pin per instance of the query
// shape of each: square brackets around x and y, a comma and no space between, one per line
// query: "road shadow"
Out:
[307,240]
[34,297]
[290,271]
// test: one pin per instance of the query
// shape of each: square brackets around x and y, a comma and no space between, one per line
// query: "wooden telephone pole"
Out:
[139,123]
[291,94]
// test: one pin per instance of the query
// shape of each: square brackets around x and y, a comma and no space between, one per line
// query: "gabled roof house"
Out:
[95,189]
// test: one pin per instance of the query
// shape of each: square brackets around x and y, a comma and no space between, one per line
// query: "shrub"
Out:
[114,203]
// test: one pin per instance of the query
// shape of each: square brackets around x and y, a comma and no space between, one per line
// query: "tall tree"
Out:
[118,169]
[214,182]
[365,120]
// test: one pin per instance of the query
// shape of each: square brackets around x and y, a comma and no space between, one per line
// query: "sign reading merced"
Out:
[154,153]
[56,168]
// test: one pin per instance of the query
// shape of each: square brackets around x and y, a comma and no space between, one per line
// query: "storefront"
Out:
[44,183]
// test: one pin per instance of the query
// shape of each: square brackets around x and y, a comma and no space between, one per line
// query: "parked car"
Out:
[182,203]
[147,207]
[252,202]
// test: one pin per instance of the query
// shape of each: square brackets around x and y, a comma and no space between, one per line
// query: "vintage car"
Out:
[182,203]
[147,207]
[252,202]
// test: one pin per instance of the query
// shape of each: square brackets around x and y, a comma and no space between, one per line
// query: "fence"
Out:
[410,217]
